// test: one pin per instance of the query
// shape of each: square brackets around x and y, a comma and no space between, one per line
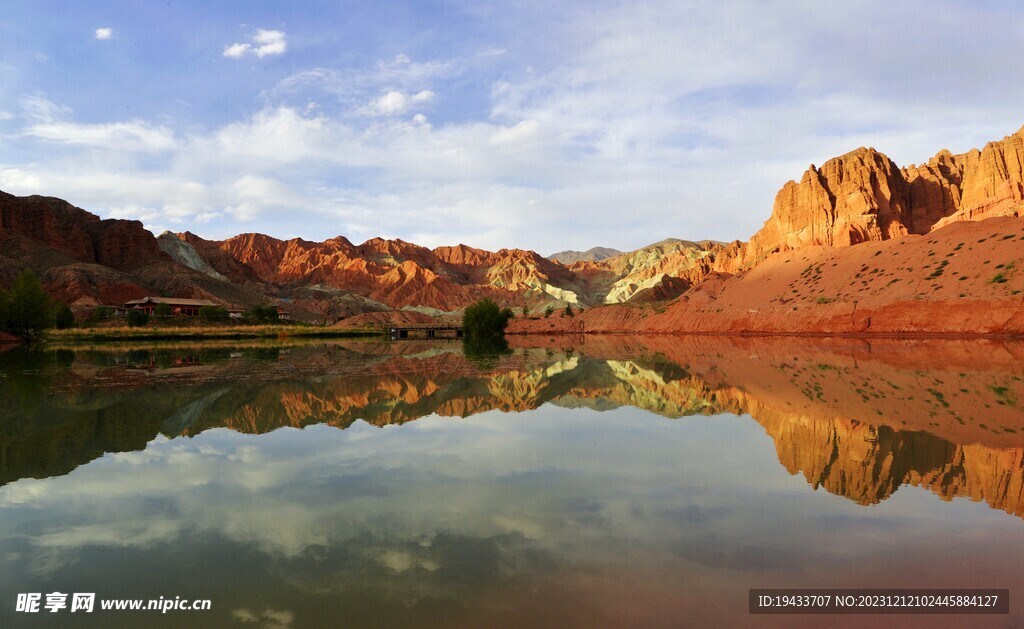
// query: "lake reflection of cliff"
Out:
[859,420]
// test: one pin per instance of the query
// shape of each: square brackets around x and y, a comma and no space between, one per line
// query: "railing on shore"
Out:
[423,331]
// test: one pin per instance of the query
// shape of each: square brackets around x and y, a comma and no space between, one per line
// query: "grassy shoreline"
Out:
[113,335]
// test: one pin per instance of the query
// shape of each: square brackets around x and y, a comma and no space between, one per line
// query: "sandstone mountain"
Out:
[109,261]
[78,255]
[864,196]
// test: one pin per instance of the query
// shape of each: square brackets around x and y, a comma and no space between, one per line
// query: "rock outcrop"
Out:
[854,198]
[77,255]
[185,254]
[862,196]
[58,225]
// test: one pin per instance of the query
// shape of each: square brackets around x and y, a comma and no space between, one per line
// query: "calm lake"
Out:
[613,482]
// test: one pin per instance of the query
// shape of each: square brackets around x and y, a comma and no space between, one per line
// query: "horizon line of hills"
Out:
[857,198]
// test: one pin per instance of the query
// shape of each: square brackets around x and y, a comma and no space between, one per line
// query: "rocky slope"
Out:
[122,245]
[965,278]
[76,255]
[110,261]
[394,272]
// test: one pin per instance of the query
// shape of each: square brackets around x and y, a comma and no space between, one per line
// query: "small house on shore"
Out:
[179,306]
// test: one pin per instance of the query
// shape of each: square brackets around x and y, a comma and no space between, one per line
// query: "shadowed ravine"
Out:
[857,419]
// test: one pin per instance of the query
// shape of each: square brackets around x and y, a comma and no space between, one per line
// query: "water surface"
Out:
[617,482]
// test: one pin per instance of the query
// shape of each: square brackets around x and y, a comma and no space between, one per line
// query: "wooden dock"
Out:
[423,331]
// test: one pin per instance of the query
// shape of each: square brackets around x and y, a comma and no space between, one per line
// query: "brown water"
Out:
[617,482]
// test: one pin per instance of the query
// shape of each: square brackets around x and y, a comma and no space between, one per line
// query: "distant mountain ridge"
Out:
[594,254]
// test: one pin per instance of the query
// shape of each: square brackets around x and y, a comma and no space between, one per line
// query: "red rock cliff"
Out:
[123,245]
[862,196]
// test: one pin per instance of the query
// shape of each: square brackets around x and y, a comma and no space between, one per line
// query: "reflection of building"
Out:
[179,306]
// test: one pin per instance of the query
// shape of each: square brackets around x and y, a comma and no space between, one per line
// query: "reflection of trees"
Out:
[485,351]
[26,378]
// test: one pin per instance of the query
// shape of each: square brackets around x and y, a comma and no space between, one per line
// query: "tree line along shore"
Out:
[29,315]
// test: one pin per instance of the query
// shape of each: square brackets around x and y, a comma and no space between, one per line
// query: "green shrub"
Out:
[261,314]
[25,309]
[485,319]
[163,311]
[212,314]
[568,310]
[548,312]
[63,318]
[136,318]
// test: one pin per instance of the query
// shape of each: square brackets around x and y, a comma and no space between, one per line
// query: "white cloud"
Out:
[394,102]
[51,122]
[104,33]
[268,618]
[236,50]
[128,136]
[20,180]
[264,43]
[38,108]
[515,133]
[359,90]
[424,96]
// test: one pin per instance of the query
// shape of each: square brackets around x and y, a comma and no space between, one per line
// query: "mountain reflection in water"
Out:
[607,481]
[858,419]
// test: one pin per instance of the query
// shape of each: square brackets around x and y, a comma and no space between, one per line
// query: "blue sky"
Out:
[493,124]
